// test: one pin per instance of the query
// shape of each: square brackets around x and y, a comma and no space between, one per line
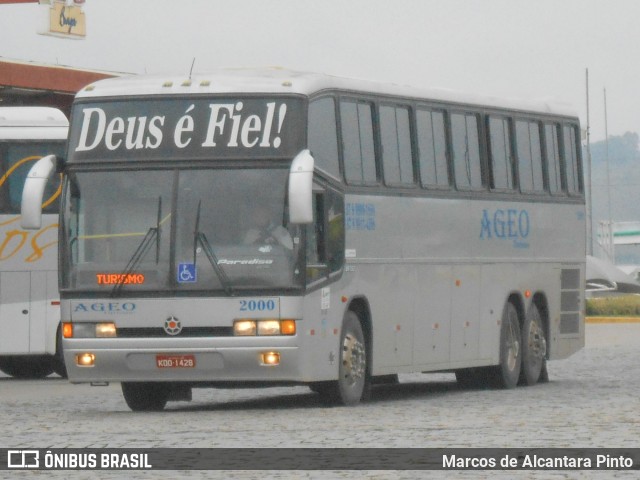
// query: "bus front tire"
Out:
[507,373]
[353,382]
[145,396]
[534,348]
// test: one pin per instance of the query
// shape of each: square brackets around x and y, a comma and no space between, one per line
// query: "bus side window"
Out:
[316,253]
[323,136]
[432,148]
[529,156]
[395,135]
[466,151]
[571,166]
[357,143]
[325,236]
[500,153]
[552,151]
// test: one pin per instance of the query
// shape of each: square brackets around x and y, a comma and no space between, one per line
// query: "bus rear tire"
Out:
[507,373]
[353,382]
[145,396]
[27,366]
[534,348]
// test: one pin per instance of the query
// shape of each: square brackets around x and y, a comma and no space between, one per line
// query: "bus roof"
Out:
[32,123]
[32,117]
[283,81]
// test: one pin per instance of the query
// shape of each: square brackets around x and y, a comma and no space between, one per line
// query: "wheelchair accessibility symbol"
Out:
[187,273]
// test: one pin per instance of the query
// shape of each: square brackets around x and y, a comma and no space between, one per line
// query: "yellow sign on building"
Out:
[67,20]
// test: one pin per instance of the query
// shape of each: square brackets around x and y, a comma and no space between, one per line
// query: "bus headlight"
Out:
[244,328]
[89,330]
[268,327]
[264,327]
[105,330]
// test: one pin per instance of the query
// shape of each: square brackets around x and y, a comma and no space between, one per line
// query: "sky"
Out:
[535,49]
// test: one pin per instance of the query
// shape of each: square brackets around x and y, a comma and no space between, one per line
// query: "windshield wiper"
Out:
[141,251]
[199,238]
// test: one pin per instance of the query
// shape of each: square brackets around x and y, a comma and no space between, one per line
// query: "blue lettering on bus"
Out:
[360,216]
[106,307]
[510,224]
[257,305]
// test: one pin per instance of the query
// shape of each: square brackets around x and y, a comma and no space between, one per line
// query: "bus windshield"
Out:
[182,230]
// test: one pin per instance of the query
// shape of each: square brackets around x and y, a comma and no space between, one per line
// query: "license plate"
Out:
[175,361]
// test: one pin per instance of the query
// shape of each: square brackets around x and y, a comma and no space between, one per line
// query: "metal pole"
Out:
[611,252]
[589,192]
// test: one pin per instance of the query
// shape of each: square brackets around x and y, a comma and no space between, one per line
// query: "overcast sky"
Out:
[511,48]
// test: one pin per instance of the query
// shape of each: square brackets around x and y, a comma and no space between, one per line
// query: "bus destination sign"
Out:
[186,128]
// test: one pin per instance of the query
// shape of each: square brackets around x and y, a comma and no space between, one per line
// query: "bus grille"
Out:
[570,301]
[186,332]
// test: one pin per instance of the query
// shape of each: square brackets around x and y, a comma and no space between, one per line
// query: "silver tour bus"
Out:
[271,227]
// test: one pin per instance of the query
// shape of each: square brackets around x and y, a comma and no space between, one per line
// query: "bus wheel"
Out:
[27,366]
[506,374]
[145,396]
[534,348]
[352,380]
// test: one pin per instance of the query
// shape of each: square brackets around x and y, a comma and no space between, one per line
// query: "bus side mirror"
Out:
[301,188]
[33,192]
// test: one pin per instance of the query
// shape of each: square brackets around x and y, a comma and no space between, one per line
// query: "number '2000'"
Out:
[257,305]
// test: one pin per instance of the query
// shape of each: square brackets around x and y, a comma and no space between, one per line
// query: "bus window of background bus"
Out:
[500,153]
[572,170]
[323,135]
[529,157]
[18,158]
[357,139]
[395,135]
[432,148]
[466,151]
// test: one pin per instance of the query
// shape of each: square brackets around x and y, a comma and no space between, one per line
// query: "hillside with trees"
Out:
[624,181]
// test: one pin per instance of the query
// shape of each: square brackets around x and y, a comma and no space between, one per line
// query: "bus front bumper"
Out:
[153,360]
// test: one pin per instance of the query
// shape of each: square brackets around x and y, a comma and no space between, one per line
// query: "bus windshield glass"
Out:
[182,230]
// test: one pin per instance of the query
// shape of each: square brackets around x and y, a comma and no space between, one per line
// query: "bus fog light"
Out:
[268,327]
[271,358]
[85,359]
[244,327]
[105,330]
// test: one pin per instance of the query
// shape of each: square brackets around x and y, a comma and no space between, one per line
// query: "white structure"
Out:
[29,305]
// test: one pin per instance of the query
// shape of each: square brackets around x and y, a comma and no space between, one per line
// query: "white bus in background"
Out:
[29,300]
[271,227]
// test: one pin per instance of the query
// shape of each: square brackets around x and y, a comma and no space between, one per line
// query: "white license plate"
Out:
[175,361]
